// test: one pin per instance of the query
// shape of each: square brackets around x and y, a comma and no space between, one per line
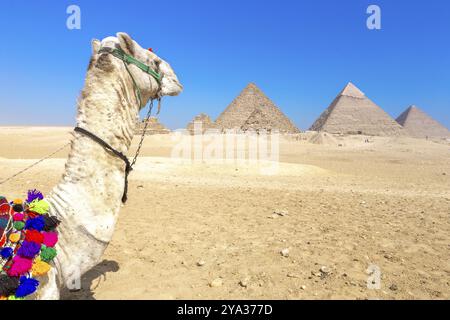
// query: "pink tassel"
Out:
[19,266]
[50,238]
[18,217]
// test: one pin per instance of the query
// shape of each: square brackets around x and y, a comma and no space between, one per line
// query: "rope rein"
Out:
[34,164]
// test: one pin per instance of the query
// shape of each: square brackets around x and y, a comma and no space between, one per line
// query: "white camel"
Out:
[88,199]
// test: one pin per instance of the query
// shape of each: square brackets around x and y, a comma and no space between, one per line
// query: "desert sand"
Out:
[339,208]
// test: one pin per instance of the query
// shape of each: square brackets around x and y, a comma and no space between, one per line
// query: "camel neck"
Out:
[88,198]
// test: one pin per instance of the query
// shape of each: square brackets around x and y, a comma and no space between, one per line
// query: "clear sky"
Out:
[301,53]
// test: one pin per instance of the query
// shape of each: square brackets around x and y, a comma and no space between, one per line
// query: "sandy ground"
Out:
[384,204]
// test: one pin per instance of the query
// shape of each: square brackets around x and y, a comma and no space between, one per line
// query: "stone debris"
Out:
[218,282]
[281,213]
[285,252]
[201,263]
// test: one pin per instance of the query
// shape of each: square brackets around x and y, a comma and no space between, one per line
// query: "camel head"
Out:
[150,88]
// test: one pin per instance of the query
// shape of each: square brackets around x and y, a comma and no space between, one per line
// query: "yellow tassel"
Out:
[39,206]
[18,201]
[14,237]
[40,267]
[3,298]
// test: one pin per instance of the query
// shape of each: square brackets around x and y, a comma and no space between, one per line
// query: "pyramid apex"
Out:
[352,91]
[251,85]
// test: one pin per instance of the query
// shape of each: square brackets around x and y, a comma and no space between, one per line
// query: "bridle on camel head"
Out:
[128,59]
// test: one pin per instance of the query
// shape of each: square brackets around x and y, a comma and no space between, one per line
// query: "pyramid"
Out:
[153,127]
[420,125]
[204,120]
[252,109]
[352,112]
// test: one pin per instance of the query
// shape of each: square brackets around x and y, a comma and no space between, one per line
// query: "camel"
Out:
[87,200]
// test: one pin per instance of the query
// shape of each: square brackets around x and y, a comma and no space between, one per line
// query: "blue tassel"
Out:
[29,249]
[35,223]
[26,287]
[6,253]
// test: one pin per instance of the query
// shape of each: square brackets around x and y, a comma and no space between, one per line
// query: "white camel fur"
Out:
[88,199]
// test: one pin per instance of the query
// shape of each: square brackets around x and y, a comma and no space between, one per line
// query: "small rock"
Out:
[140,186]
[201,263]
[281,213]
[303,287]
[216,283]
[244,282]
[285,252]
[291,275]
[325,270]
[393,287]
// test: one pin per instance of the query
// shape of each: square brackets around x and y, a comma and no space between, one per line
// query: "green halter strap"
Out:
[119,53]
[127,59]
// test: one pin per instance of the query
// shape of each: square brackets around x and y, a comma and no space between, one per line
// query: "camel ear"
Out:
[95,44]
[126,43]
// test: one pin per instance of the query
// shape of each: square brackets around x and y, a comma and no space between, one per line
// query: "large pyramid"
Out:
[252,109]
[353,113]
[420,125]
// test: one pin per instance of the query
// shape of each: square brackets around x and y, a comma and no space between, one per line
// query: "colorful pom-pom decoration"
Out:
[6,253]
[18,217]
[28,238]
[14,237]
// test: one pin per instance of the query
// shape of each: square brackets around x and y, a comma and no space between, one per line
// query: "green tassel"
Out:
[39,206]
[18,225]
[48,254]
[14,298]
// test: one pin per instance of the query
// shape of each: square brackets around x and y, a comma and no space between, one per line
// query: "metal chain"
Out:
[147,117]
[34,164]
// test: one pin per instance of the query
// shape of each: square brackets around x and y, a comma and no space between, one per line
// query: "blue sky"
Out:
[300,53]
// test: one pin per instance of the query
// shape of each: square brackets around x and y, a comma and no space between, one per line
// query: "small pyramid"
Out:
[418,124]
[153,127]
[202,121]
[252,102]
[351,112]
